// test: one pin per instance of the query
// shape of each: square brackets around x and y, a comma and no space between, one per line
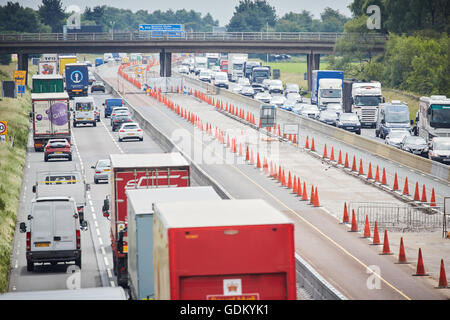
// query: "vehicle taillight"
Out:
[80,209]
[97,172]
[28,241]
[115,121]
[78,240]
[122,131]
[139,130]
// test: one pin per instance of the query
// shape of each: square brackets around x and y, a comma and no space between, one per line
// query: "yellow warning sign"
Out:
[19,77]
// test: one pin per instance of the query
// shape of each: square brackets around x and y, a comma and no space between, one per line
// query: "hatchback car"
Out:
[183,69]
[276,86]
[395,137]
[119,110]
[440,150]
[415,144]
[310,111]
[336,107]
[98,86]
[248,91]
[57,149]
[278,100]
[205,76]
[120,119]
[130,131]
[102,169]
[295,97]
[264,97]
[328,117]
[349,122]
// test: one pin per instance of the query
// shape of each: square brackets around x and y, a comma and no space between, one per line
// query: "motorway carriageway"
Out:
[89,145]
[340,257]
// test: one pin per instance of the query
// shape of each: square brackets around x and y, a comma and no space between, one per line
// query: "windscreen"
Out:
[260,73]
[84,106]
[367,101]
[440,116]
[61,179]
[330,93]
[441,145]
[397,114]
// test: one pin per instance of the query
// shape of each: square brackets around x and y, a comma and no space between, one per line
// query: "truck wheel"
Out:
[78,262]
[70,157]
[30,266]
[377,133]
[74,124]
[95,123]
[45,158]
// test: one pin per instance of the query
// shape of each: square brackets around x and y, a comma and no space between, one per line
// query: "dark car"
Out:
[349,122]
[98,86]
[119,120]
[415,144]
[57,148]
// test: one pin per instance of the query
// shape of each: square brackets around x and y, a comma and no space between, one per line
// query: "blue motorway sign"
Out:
[161,27]
[20,89]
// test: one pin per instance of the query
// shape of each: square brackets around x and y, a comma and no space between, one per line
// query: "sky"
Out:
[221,10]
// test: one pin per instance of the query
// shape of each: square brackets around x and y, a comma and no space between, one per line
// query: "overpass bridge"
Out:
[313,44]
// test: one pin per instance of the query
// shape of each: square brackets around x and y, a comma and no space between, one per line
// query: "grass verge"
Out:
[12,161]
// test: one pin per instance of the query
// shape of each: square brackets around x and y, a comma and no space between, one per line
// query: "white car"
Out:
[205,75]
[293,96]
[278,100]
[263,97]
[237,89]
[276,86]
[183,69]
[243,82]
[221,79]
[310,110]
[130,130]
[395,137]
[336,107]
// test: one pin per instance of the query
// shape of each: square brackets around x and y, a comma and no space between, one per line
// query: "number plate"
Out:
[131,134]
[42,244]
[349,127]
[58,152]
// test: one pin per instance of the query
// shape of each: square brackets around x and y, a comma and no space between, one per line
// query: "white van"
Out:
[84,111]
[53,233]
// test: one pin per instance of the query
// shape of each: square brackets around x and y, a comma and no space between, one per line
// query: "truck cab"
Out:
[260,73]
[330,91]
[84,111]
[433,117]
[366,97]
[392,116]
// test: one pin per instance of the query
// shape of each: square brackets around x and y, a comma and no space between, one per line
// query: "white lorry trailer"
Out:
[236,65]
[434,117]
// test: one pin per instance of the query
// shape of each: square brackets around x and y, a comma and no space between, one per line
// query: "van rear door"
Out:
[64,225]
[42,226]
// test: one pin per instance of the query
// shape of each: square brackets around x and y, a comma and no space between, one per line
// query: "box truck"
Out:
[434,117]
[223,250]
[326,87]
[48,67]
[140,232]
[137,171]
[65,59]
[236,63]
[77,79]
[51,117]
[47,83]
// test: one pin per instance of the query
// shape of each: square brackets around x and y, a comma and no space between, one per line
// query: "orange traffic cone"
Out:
[240,149]
[386,249]
[289,184]
[383,179]
[433,199]
[307,143]
[377,175]
[416,193]
[304,194]
[325,152]
[294,139]
[345,215]
[279,174]
[424,194]
[354,164]
[420,271]
[294,187]
[366,228]
[376,236]
[354,227]
[401,254]
[332,154]
[312,145]
[283,180]
[311,198]
[361,171]
[252,160]
[258,162]
[247,155]
[442,277]
[369,173]
[340,158]
[299,187]
[406,187]
[346,161]
[395,187]
[316,198]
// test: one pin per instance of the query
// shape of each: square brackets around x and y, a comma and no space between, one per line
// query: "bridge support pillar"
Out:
[22,64]
[313,63]
[165,64]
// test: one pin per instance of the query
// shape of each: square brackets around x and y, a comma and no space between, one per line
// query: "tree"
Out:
[52,14]
[252,16]
[14,17]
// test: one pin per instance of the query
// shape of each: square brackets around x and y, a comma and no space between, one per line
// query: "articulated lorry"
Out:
[77,79]
[47,83]
[137,171]
[326,87]
[259,74]
[433,117]
[51,117]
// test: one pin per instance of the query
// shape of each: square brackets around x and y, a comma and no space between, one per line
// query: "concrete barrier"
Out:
[424,165]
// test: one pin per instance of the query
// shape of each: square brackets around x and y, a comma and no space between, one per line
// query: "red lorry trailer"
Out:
[138,171]
[223,250]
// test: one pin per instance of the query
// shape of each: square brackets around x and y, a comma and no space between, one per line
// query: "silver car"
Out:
[102,169]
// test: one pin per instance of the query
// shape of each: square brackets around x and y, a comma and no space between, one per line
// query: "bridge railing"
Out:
[189,36]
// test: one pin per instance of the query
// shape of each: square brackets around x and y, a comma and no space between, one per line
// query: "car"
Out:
[91,78]
[277,100]
[120,119]
[336,107]
[415,144]
[183,69]
[328,117]
[97,114]
[102,169]
[57,148]
[276,86]
[263,96]
[395,137]
[131,131]
[440,150]
[237,89]
[205,75]
[243,82]
[248,91]
[117,110]
[297,108]
[98,86]
[292,88]
[288,105]
[221,79]
[294,97]
[257,87]
[350,122]
[310,111]
[265,83]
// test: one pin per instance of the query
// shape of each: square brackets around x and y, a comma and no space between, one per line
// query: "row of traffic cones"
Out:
[420,271]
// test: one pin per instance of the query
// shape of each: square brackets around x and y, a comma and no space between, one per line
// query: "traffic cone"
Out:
[258,162]
[294,187]
[311,197]
[247,155]
[401,254]
[316,198]
[345,215]
[307,143]
[442,277]
[240,149]
[271,169]
[376,236]
[313,148]
[377,175]
[340,158]
[304,194]
[299,188]
[395,187]
[265,166]
[346,161]
[332,154]
[420,271]
[252,160]
[366,228]
[354,164]
[283,179]
[294,139]
[424,194]
[279,174]
[354,227]
[386,249]
[325,152]
[369,174]
[289,184]
[433,199]
[383,179]
[406,187]
[416,193]
[361,171]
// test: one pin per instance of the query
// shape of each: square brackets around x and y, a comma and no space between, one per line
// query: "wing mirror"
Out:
[34,189]
[23,227]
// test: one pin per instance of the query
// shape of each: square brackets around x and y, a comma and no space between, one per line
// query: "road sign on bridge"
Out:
[163,30]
